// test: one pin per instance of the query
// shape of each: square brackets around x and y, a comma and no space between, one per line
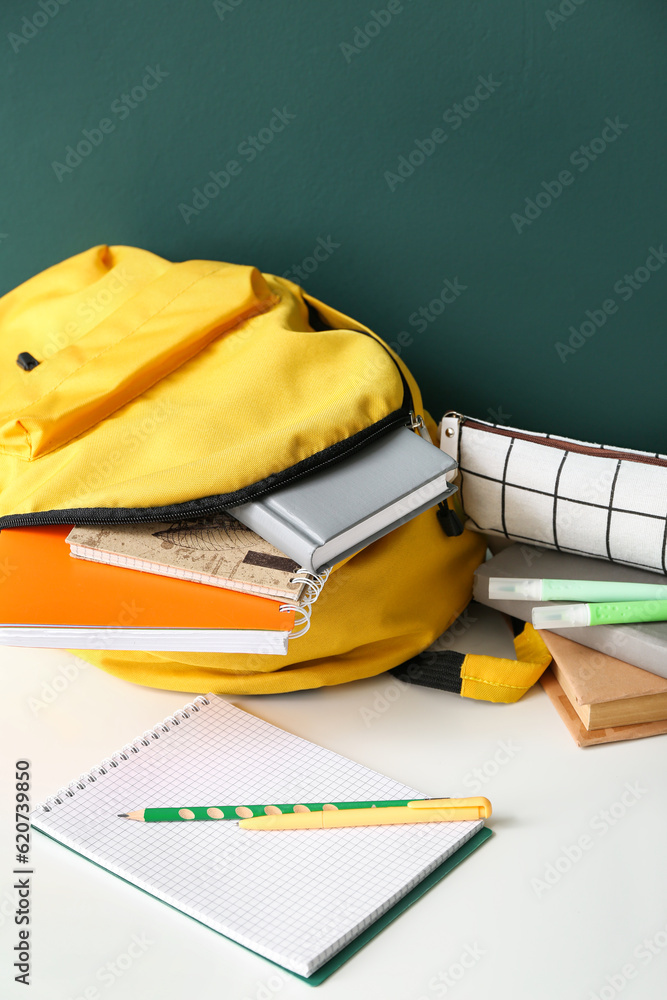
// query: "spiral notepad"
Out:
[297,897]
[217,551]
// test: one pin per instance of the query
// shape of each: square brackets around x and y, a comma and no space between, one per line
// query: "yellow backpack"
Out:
[152,391]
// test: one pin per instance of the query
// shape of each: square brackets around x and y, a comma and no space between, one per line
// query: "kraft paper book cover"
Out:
[218,551]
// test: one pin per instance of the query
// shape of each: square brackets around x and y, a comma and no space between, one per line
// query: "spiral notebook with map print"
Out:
[218,551]
[304,899]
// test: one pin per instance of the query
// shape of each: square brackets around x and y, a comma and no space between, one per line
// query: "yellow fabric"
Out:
[84,429]
[110,364]
[163,383]
[491,678]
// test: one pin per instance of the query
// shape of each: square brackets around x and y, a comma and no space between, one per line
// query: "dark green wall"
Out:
[359,104]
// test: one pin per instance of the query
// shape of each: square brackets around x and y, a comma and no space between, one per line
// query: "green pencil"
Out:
[245,812]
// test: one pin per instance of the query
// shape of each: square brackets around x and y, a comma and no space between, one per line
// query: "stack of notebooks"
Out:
[241,581]
[607,682]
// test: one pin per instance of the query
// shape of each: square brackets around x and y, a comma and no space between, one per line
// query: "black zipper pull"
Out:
[450,521]
[26,361]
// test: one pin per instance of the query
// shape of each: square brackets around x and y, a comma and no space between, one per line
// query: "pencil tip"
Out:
[122,815]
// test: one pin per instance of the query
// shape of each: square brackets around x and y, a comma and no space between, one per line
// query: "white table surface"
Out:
[600,930]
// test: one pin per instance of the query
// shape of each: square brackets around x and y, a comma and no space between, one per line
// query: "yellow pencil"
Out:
[420,811]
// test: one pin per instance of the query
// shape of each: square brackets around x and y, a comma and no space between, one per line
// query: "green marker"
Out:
[575,615]
[516,589]
[246,812]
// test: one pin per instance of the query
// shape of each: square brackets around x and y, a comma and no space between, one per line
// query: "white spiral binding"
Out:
[89,777]
[314,583]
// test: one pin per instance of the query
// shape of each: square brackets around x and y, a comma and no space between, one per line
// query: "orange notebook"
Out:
[48,598]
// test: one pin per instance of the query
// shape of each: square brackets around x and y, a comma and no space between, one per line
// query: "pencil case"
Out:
[572,496]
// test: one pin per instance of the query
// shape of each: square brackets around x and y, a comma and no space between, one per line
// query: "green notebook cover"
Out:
[353,947]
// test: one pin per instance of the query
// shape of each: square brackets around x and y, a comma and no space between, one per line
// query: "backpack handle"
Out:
[473,675]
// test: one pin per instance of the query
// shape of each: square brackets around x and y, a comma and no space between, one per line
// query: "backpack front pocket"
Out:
[148,336]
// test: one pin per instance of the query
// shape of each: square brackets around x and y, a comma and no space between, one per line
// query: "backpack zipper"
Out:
[208,506]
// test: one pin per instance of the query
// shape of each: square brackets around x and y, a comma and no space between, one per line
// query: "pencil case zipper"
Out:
[563,444]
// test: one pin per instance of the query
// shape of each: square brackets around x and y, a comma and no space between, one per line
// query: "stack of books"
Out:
[607,682]
[242,580]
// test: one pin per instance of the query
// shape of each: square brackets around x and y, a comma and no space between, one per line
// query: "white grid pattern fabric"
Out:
[295,896]
[571,496]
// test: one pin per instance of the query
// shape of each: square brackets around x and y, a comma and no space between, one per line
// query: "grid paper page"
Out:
[295,896]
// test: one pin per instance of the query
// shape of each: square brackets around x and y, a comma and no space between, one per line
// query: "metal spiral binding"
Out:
[89,777]
[314,582]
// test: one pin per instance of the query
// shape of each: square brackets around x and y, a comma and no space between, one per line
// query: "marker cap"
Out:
[563,615]
[516,589]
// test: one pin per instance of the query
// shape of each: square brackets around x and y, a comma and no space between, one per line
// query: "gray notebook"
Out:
[643,645]
[332,513]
